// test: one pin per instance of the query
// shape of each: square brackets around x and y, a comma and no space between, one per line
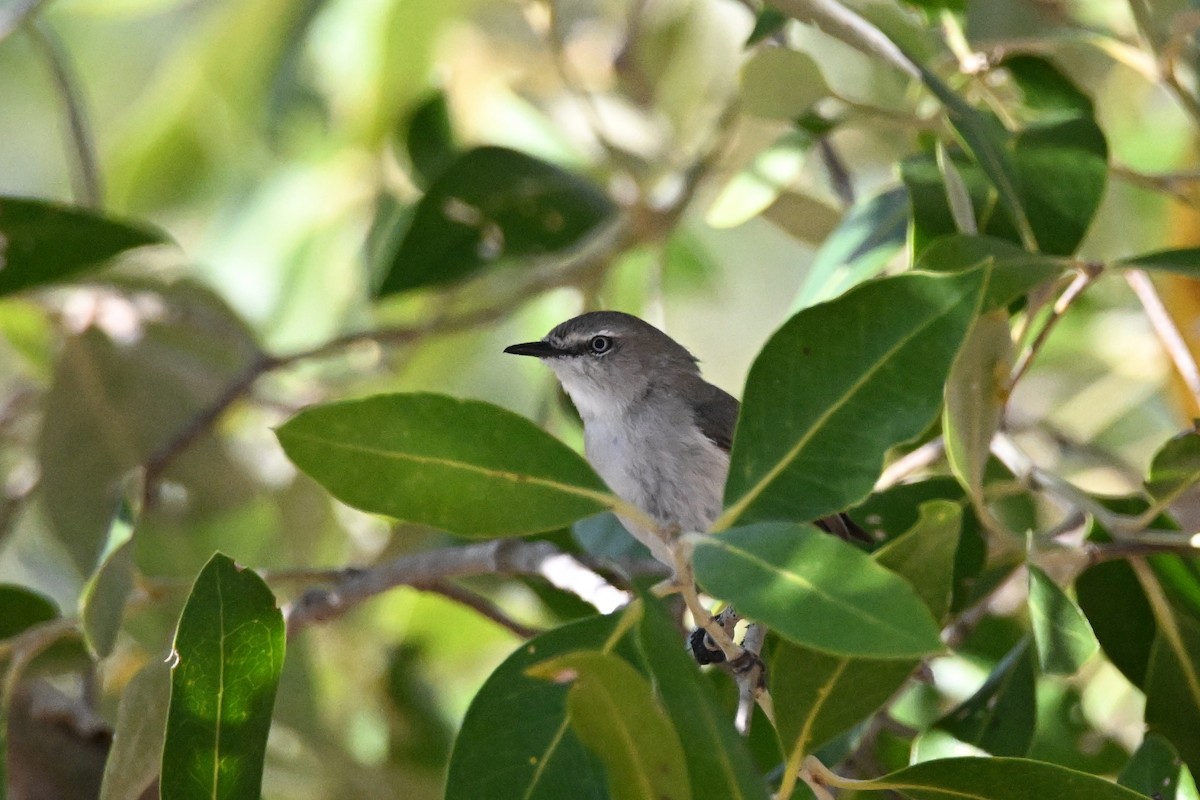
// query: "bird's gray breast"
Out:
[655,457]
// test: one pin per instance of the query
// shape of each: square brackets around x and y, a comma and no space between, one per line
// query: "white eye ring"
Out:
[599,345]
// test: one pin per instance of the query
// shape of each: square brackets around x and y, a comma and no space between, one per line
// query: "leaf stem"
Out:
[1168,332]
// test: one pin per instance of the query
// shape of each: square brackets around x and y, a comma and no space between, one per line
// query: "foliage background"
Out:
[276,143]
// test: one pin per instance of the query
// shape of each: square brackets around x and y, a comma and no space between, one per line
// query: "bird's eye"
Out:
[600,344]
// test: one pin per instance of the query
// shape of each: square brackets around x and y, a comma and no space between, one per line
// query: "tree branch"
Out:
[1168,333]
[431,569]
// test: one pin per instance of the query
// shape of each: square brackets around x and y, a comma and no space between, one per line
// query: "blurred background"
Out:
[282,145]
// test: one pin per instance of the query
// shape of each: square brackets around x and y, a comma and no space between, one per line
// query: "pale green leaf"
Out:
[1064,637]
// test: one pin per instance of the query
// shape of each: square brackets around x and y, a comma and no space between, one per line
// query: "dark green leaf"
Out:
[1175,468]
[22,609]
[228,653]
[768,23]
[1173,686]
[1153,770]
[717,760]
[492,204]
[515,740]
[102,601]
[997,779]
[1064,637]
[1013,271]
[924,555]
[603,535]
[976,394]
[836,387]
[1046,88]
[1001,715]
[870,234]
[462,465]
[613,712]
[1062,169]
[430,139]
[43,242]
[816,590]
[1120,616]
[136,755]
[1184,261]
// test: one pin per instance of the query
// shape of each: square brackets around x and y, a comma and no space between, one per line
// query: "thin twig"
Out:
[1087,275]
[1100,552]
[924,456]
[480,605]
[1168,332]
[846,25]
[86,175]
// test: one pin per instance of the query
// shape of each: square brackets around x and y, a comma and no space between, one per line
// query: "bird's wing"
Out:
[716,412]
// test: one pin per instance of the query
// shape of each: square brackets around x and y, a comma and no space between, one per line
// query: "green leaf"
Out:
[816,590]
[717,759]
[866,239]
[836,387]
[1062,170]
[102,600]
[925,554]
[462,465]
[1173,686]
[228,653]
[780,83]
[958,198]
[43,242]
[996,779]
[22,609]
[489,205]
[1153,770]
[976,393]
[429,139]
[515,740]
[1046,88]
[1175,468]
[985,139]
[767,23]
[1001,715]
[136,755]
[819,696]
[1064,637]
[1013,272]
[1119,612]
[1183,261]
[613,712]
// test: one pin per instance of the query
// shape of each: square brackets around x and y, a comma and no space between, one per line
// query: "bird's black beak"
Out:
[536,349]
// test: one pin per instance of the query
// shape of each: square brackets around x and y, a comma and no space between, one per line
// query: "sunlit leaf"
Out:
[1064,637]
[613,712]
[996,779]
[780,83]
[763,185]
[515,740]
[228,654]
[816,590]
[976,394]
[1153,770]
[866,239]
[136,755]
[489,205]
[717,759]
[819,696]
[102,601]
[462,465]
[838,385]
[43,242]
[1001,715]
[957,195]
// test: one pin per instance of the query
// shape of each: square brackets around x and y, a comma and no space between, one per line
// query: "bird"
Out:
[654,430]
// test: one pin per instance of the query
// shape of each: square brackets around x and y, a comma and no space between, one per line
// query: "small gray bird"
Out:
[655,431]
